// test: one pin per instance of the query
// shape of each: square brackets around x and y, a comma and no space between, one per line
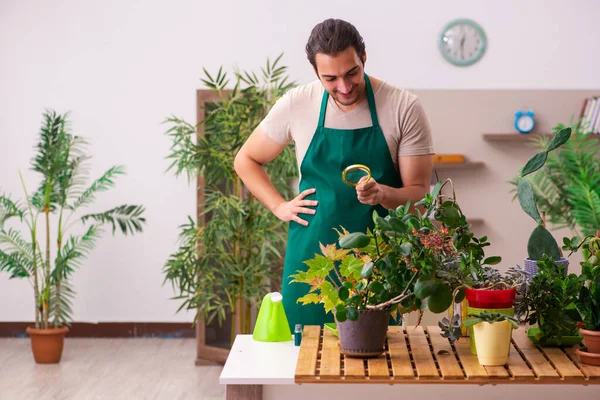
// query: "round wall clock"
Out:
[462,42]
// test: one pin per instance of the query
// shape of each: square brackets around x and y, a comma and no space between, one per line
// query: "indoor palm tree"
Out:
[567,189]
[45,254]
[225,264]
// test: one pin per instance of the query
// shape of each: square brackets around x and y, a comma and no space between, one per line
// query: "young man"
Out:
[345,117]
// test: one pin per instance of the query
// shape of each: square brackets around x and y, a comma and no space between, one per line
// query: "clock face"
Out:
[525,123]
[462,42]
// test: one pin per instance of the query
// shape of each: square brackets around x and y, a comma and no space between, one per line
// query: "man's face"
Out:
[342,75]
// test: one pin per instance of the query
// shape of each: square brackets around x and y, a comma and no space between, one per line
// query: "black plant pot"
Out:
[364,337]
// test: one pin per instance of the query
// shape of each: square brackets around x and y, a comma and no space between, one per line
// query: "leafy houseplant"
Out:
[399,266]
[550,302]
[492,333]
[588,299]
[61,160]
[566,190]
[225,264]
[541,240]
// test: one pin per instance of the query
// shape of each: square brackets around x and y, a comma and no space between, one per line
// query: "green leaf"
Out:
[340,315]
[385,226]
[376,287]
[310,298]
[460,295]
[436,189]
[398,226]
[343,293]
[542,242]
[536,162]
[355,240]
[426,287]
[405,249]
[351,267]
[441,300]
[472,321]
[559,139]
[494,260]
[351,313]
[367,270]
[527,200]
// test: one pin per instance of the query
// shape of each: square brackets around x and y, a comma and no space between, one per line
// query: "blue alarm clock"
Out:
[524,121]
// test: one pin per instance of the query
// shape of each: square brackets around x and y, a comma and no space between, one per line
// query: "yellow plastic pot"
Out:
[492,342]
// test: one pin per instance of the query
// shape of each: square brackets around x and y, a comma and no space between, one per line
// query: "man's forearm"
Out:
[258,182]
[394,197]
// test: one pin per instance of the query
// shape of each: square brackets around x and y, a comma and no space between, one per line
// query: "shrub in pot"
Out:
[399,266]
[588,298]
[549,302]
[493,333]
[61,160]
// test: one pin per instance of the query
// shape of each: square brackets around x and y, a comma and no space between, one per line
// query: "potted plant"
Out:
[397,267]
[549,302]
[588,298]
[491,291]
[493,333]
[61,160]
[566,187]
[541,240]
[227,254]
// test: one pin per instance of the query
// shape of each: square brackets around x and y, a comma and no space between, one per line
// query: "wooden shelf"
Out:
[412,356]
[475,221]
[442,166]
[513,137]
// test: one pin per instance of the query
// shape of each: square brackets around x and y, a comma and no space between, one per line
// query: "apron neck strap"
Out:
[370,99]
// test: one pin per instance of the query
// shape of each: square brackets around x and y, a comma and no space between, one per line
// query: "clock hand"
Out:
[462,47]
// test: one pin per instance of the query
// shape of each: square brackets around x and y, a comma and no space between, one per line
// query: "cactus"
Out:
[541,240]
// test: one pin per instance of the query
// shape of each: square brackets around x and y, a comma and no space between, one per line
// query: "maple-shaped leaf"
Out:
[315,282]
[301,276]
[330,296]
[365,258]
[311,298]
[332,252]
[350,267]
[343,233]
[319,266]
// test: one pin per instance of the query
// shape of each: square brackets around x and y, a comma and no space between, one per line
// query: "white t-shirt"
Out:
[295,117]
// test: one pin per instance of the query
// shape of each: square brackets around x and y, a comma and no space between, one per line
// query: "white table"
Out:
[256,370]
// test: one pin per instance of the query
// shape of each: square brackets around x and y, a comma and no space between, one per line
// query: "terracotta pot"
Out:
[364,337]
[588,358]
[592,340]
[47,344]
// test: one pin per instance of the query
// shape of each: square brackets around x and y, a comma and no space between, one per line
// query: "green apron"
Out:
[329,153]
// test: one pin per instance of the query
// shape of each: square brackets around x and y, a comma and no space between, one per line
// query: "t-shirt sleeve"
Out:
[415,131]
[277,123]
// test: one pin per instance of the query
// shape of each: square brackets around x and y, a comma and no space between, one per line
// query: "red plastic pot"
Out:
[482,298]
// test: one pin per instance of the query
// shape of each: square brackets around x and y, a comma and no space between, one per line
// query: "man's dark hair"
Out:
[331,37]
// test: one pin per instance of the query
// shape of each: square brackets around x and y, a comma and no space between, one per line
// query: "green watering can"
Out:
[271,323]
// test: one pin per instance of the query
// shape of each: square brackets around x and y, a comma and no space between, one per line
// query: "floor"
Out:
[114,369]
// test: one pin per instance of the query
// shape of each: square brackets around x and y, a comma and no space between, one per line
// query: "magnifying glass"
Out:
[354,173]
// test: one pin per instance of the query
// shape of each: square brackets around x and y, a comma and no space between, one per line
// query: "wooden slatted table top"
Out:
[412,356]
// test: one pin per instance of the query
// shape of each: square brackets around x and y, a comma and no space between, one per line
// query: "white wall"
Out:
[121,67]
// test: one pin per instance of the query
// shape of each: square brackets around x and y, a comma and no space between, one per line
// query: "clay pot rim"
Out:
[588,332]
[581,352]
[50,331]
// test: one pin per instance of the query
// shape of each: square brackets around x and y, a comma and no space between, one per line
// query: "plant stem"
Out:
[398,298]
[33,246]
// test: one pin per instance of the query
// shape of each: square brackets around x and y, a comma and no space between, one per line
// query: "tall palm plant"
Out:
[567,189]
[241,242]
[61,160]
